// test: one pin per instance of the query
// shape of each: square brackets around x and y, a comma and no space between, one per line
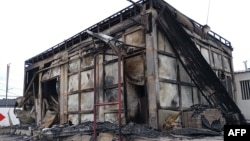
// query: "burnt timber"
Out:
[152,59]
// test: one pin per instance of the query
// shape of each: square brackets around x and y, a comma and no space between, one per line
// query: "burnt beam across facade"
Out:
[155,80]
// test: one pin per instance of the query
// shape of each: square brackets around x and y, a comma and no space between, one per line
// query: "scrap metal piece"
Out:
[112,42]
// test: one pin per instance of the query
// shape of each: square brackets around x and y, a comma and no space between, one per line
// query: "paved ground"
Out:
[178,138]
[13,138]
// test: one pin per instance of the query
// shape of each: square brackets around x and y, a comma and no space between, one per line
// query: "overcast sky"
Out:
[29,27]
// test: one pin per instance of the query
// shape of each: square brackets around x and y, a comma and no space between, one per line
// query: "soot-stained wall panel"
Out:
[132,101]
[87,61]
[184,77]
[113,117]
[217,60]
[111,74]
[110,57]
[167,67]
[87,117]
[135,38]
[73,83]
[51,73]
[134,70]
[74,64]
[186,96]
[87,79]
[87,101]
[226,64]
[195,95]
[73,102]
[111,95]
[74,118]
[163,43]
[168,96]
[205,53]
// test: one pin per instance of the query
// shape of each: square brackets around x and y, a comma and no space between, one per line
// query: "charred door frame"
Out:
[140,114]
[56,83]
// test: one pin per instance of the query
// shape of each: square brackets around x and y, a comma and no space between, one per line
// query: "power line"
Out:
[9,92]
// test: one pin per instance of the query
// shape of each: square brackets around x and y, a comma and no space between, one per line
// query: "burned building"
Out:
[142,64]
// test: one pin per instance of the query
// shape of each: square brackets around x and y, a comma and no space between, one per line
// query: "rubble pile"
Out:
[130,129]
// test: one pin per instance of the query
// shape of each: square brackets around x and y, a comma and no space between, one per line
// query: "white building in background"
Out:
[7,112]
[242,81]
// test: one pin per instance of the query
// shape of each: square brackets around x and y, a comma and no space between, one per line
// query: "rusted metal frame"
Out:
[116,48]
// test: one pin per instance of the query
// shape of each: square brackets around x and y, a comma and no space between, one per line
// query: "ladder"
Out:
[112,44]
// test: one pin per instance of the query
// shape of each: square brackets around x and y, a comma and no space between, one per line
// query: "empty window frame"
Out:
[245,89]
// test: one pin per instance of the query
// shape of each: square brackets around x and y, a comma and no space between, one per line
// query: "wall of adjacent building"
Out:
[242,80]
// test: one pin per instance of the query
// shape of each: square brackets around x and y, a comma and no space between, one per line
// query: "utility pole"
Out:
[245,63]
[7,84]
